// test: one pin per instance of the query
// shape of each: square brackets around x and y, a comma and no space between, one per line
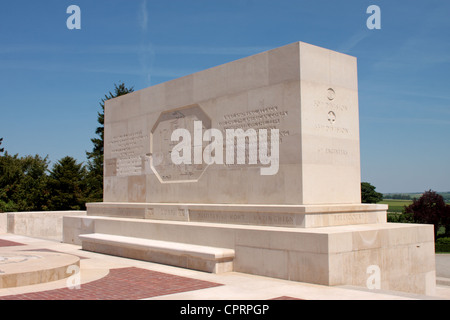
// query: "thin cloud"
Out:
[130,49]
[421,49]
[143,16]
[202,50]
[353,41]
[53,66]
[145,51]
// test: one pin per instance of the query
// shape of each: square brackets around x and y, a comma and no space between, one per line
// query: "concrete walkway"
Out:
[443,269]
[107,277]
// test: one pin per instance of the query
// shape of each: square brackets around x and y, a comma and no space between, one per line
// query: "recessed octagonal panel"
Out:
[161,144]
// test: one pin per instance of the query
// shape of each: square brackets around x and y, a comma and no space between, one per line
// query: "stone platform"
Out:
[23,268]
[333,255]
[109,277]
[298,216]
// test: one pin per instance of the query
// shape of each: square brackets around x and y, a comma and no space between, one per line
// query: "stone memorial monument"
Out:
[252,166]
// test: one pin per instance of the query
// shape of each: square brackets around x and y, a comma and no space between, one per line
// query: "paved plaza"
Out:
[104,277]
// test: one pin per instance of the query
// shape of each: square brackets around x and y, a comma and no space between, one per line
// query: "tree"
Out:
[33,189]
[10,175]
[368,193]
[95,157]
[67,184]
[446,221]
[430,208]
[23,183]
[1,149]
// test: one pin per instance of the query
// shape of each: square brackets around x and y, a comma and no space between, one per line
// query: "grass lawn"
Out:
[396,205]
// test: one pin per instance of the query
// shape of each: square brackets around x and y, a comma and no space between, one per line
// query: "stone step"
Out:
[442,281]
[202,258]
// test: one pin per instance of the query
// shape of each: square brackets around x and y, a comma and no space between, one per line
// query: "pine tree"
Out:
[1,149]
[95,157]
[67,185]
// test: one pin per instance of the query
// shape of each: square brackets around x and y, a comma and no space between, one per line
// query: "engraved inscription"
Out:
[110,167]
[129,166]
[149,213]
[333,151]
[128,150]
[348,218]
[268,118]
[263,118]
[278,219]
[119,212]
[128,145]
[167,214]
[330,105]
[332,129]
[331,111]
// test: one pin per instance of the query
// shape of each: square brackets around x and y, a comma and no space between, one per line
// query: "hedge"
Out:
[443,245]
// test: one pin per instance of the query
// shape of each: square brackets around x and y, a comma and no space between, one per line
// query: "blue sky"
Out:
[52,78]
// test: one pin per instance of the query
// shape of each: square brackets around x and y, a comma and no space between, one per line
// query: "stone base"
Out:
[385,256]
[24,268]
[299,216]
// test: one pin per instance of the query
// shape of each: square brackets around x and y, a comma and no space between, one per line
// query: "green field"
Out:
[396,205]
[404,196]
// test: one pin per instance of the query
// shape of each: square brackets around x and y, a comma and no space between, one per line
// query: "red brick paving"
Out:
[7,243]
[122,284]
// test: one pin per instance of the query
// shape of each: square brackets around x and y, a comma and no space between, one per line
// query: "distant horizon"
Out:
[421,192]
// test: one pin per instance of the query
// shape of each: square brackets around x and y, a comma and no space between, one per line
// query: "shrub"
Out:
[430,208]
[443,244]
[400,217]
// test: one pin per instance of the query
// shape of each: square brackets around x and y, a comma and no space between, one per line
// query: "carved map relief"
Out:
[162,146]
